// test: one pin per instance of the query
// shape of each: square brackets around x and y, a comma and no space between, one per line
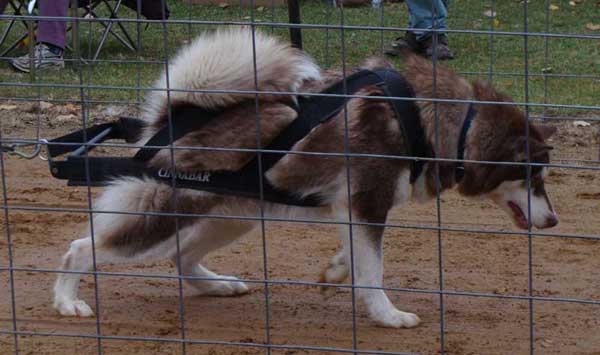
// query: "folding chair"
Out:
[19,8]
[89,11]
[90,8]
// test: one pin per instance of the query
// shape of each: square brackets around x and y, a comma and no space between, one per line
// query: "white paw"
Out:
[220,288]
[73,308]
[398,319]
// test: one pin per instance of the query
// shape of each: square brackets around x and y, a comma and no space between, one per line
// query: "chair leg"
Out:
[17,12]
[7,31]
[13,46]
[113,14]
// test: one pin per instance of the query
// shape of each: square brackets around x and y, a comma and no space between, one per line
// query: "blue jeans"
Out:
[422,19]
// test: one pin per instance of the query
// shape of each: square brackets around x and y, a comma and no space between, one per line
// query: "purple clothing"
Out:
[53,32]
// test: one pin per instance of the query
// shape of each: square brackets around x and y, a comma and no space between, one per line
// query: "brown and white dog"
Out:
[224,60]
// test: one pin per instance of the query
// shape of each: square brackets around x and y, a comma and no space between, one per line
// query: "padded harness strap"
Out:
[311,113]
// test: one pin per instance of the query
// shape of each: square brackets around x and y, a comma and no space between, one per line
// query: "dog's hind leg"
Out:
[117,238]
[201,239]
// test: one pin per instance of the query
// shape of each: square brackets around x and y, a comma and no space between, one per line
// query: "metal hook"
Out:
[44,142]
[11,149]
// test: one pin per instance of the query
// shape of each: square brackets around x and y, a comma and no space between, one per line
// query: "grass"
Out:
[500,59]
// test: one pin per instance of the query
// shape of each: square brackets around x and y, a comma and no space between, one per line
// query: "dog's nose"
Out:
[551,221]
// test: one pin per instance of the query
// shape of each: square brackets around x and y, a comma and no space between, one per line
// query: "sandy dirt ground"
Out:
[492,264]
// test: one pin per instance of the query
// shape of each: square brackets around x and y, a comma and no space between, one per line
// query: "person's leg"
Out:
[50,39]
[418,38]
[422,16]
[53,32]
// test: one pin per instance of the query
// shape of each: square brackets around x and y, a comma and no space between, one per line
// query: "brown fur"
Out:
[235,128]
[499,134]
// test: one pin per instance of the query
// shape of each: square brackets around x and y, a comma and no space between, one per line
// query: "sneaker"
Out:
[44,58]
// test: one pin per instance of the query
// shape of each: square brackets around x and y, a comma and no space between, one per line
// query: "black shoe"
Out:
[441,50]
[406,43]
[424,47]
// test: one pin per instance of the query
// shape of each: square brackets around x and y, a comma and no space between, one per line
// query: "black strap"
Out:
[409,118]
[459,171]
[126,128]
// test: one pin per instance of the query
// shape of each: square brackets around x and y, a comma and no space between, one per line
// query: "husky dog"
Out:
[225,60]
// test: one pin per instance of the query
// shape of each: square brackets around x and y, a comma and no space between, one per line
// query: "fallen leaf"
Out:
[547,70]
[554,7]
[489,13]
[65,118]
[581,124]
[592,26]
[546,343]
[260,9]
[7,107]
[496,22]
[223,5]
[45,105]
[71,108]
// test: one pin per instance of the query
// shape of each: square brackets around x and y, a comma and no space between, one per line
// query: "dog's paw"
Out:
[328,291]
[73,308]
[398,319]
[221,287]
[334,274]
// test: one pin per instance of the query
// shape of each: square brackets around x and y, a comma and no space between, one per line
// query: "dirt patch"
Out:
[495,264]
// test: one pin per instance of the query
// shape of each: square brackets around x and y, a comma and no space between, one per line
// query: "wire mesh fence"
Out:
[478,284]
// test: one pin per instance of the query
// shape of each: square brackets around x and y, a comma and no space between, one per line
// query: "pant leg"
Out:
[421,16]
[53,32]
[3,4]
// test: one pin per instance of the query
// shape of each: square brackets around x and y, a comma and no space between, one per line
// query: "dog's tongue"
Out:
[519,215]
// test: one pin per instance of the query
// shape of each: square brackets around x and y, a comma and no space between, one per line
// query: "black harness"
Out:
[82,170]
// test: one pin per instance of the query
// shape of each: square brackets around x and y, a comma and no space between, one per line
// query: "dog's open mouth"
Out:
[518,214]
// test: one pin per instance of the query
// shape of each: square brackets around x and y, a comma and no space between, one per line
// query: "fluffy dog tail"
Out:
[226,60]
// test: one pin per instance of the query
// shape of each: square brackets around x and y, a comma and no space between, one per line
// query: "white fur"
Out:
[225,60]
[368,272]
[419,189]
[209,234]
[403,189]
[516,191]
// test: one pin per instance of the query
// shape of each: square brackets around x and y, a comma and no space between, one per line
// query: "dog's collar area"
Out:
[462,140]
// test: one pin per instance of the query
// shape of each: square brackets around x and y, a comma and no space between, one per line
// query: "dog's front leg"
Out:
[368,271]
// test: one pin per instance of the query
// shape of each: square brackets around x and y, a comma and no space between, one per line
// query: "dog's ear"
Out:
[546,131]
[536,148]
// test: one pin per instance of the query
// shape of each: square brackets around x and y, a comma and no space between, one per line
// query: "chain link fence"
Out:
[479,285]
